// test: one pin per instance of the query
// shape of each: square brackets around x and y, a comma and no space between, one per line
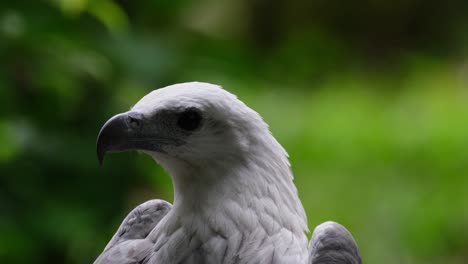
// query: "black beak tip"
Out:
[101,144]
[100,156]
[112,136]
[100,150]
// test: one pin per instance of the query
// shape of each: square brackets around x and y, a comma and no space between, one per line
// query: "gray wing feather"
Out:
[332,243]
[129,245]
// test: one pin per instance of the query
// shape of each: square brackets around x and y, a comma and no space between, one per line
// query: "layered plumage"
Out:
[234,196]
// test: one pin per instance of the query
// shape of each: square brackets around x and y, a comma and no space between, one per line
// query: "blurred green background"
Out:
[370,98]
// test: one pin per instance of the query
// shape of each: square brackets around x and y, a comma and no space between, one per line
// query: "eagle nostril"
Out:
[134,122]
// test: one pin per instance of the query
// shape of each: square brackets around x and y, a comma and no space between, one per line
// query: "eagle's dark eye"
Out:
[189,120]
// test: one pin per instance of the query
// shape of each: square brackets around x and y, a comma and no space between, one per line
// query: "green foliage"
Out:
[371,102]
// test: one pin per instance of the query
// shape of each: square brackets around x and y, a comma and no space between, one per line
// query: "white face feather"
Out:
[227,129]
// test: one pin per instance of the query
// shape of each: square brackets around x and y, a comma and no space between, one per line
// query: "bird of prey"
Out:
[234,196]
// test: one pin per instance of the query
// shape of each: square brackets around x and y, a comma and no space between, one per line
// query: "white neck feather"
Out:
[255,188]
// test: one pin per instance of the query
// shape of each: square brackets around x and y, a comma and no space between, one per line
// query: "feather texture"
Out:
[332,243]
[234,196]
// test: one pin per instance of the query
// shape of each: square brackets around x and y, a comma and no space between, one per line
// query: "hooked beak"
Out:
[132,131]
[120,133]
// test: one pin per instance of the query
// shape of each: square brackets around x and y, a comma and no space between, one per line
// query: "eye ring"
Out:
[189,120]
